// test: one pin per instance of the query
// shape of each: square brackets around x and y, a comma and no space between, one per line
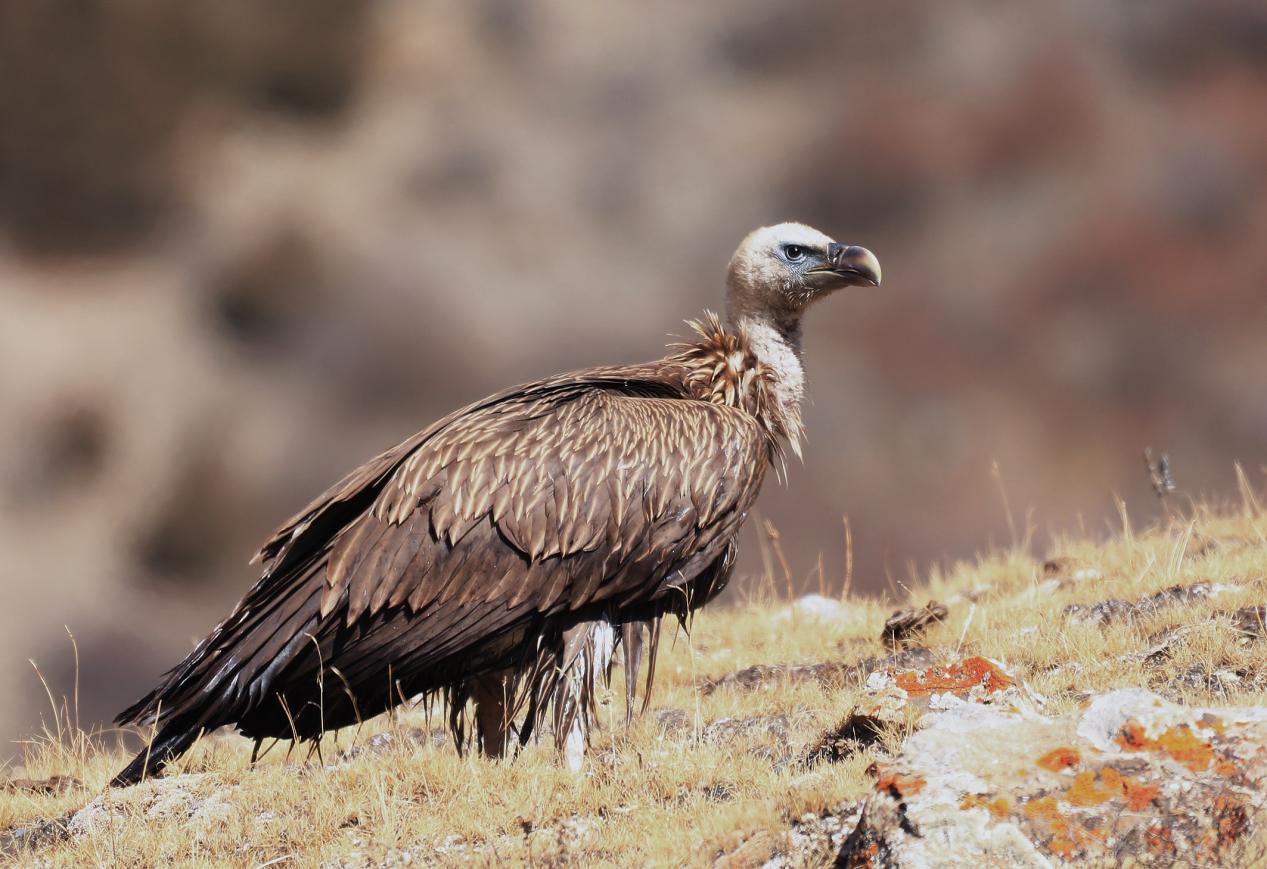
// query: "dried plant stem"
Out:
[1249,501]
[767,565]
[772,534]
[848,586]
[1007,505]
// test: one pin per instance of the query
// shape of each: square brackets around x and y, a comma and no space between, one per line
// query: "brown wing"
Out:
[331,511]
[605,488]
[587,491]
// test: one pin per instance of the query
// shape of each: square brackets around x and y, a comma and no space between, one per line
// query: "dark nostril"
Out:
[834,251]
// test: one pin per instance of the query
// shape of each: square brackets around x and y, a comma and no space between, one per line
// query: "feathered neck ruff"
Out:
[724,368]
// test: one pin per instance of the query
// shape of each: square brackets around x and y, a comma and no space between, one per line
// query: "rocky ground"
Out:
[1104,705]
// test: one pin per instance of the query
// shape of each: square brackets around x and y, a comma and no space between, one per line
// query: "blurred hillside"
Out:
[245,246]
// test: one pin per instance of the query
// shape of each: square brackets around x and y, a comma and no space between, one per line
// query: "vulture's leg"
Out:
[491,694]
[587,653]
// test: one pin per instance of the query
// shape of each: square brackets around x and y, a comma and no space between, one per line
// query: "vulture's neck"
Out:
[751,364]
[778,347]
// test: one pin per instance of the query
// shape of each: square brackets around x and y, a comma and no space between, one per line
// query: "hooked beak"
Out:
[853,265]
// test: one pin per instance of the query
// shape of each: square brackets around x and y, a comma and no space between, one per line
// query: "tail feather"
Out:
[173,740]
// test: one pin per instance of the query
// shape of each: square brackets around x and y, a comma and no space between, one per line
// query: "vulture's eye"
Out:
[794,252]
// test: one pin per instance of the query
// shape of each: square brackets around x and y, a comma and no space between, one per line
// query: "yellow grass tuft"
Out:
[658,796]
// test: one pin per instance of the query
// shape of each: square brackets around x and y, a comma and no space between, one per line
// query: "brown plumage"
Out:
[482,557]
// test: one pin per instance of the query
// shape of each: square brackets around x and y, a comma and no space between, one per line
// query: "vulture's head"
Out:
[779,270]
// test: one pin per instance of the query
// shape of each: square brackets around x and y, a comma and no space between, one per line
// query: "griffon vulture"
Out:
[498,555]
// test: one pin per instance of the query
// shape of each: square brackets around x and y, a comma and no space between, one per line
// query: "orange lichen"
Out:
[959,677]
[1184,746]
[1178,743]
[1226,768]
[1132,737]
[1212,722]
[1067,839]
[1159,842]
[1138,797]
[997,807]
[1060,758]
[1044,809]
[1112,778]
[1086,792]
[1062,846]
[899,784]
[1091,788]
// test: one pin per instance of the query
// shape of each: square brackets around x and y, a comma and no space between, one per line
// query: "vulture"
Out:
[497,558]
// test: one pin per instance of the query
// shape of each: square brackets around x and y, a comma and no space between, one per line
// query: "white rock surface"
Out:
[1133,776]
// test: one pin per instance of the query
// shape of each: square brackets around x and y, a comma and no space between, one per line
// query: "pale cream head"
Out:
[779,270]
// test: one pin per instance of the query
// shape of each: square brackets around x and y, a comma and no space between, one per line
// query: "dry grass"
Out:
[651,798]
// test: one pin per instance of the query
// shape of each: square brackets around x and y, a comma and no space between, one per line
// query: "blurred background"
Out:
[244,246]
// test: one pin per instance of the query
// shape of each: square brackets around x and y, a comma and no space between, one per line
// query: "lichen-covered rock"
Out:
[1114,610]
[898,695]
[814,838]
[196,799]
[1132,777]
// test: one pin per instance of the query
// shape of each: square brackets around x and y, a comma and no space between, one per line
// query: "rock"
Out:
[761,675]
[753,851]
[1057,566]
[1132,778]
[672,722]
[1046,587]
[903,624]
[895,692]
[406,739]
[56,784]
[1099,613]
[1116,609]
[196,798]
[815,838]
[857,732]
[1213,679]
[970,595]
[1246,622]
[1251,621]
[1064,572]
[1165,643]
[770,734]
[33,836]
[733,729]
[907,659]
[814,607]
[827,674]
[895,696]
